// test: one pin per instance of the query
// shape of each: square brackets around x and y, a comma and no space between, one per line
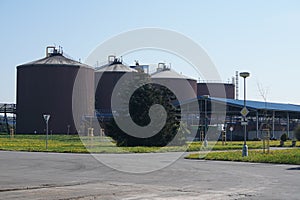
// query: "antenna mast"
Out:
[236,85]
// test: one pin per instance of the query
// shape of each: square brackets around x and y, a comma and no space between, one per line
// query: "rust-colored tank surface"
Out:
[218,90]
[46,86]
[186,87]
[106,78]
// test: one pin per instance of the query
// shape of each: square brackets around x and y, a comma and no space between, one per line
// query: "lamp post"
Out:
[244,112]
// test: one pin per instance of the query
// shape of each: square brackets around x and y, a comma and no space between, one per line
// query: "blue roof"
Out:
[259,105]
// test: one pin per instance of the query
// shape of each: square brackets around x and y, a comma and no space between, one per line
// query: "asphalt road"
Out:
[26,175]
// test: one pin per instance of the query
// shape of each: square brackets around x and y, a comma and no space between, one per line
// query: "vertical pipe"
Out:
[288,124]
[201,119]
[188,114]
[236,85]
[205,101]
[273,125]
[257,124]
[5,119]
[205,116]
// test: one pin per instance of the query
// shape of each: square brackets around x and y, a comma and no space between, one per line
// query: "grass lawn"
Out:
[56,143]
[236,145]
[287,156]
[74,144]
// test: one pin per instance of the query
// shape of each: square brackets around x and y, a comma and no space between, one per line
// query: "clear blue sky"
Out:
[260,36]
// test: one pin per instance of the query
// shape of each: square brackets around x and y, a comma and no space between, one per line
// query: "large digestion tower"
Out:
[53,85]
[106,78]
[186,87]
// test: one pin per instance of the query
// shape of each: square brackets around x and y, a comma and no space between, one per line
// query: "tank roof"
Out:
[169,73]
[116,66]
[55,59]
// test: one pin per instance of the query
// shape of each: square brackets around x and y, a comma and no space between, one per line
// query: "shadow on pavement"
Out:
[294,168]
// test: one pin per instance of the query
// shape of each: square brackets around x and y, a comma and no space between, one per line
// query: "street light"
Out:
[244,112]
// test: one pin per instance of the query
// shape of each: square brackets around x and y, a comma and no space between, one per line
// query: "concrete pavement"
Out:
[25,175]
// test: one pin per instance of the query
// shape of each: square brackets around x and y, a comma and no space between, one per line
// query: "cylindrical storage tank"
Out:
[218,90]
[46,86]
[106,78]
[169,77]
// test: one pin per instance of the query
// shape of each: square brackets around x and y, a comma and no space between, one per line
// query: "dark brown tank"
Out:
[218,90]
[167,76]
[106,78]
[46,86]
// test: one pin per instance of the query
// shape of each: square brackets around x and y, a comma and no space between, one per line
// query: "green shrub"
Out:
[283,137]
[297,132]
[139,106]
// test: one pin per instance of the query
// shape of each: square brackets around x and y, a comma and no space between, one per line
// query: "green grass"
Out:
[236,145]
[56,143]
[287,156]
[73,143]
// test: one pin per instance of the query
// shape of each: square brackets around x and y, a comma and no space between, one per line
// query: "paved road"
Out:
[80,176]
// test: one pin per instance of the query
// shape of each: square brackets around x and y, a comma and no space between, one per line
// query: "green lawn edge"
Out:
[74,144]
[285,156]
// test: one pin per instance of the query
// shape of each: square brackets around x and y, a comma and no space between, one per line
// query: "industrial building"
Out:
[186,87]
[264,118]
[216,89]
[47,86]
[106,77]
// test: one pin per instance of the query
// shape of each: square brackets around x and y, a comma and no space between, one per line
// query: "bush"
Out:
[283,137]
[140,102]
[297,132]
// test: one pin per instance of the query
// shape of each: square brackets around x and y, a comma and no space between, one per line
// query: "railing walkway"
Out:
[7,108]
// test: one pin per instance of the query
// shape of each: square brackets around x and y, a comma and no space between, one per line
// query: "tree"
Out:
[140,102]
